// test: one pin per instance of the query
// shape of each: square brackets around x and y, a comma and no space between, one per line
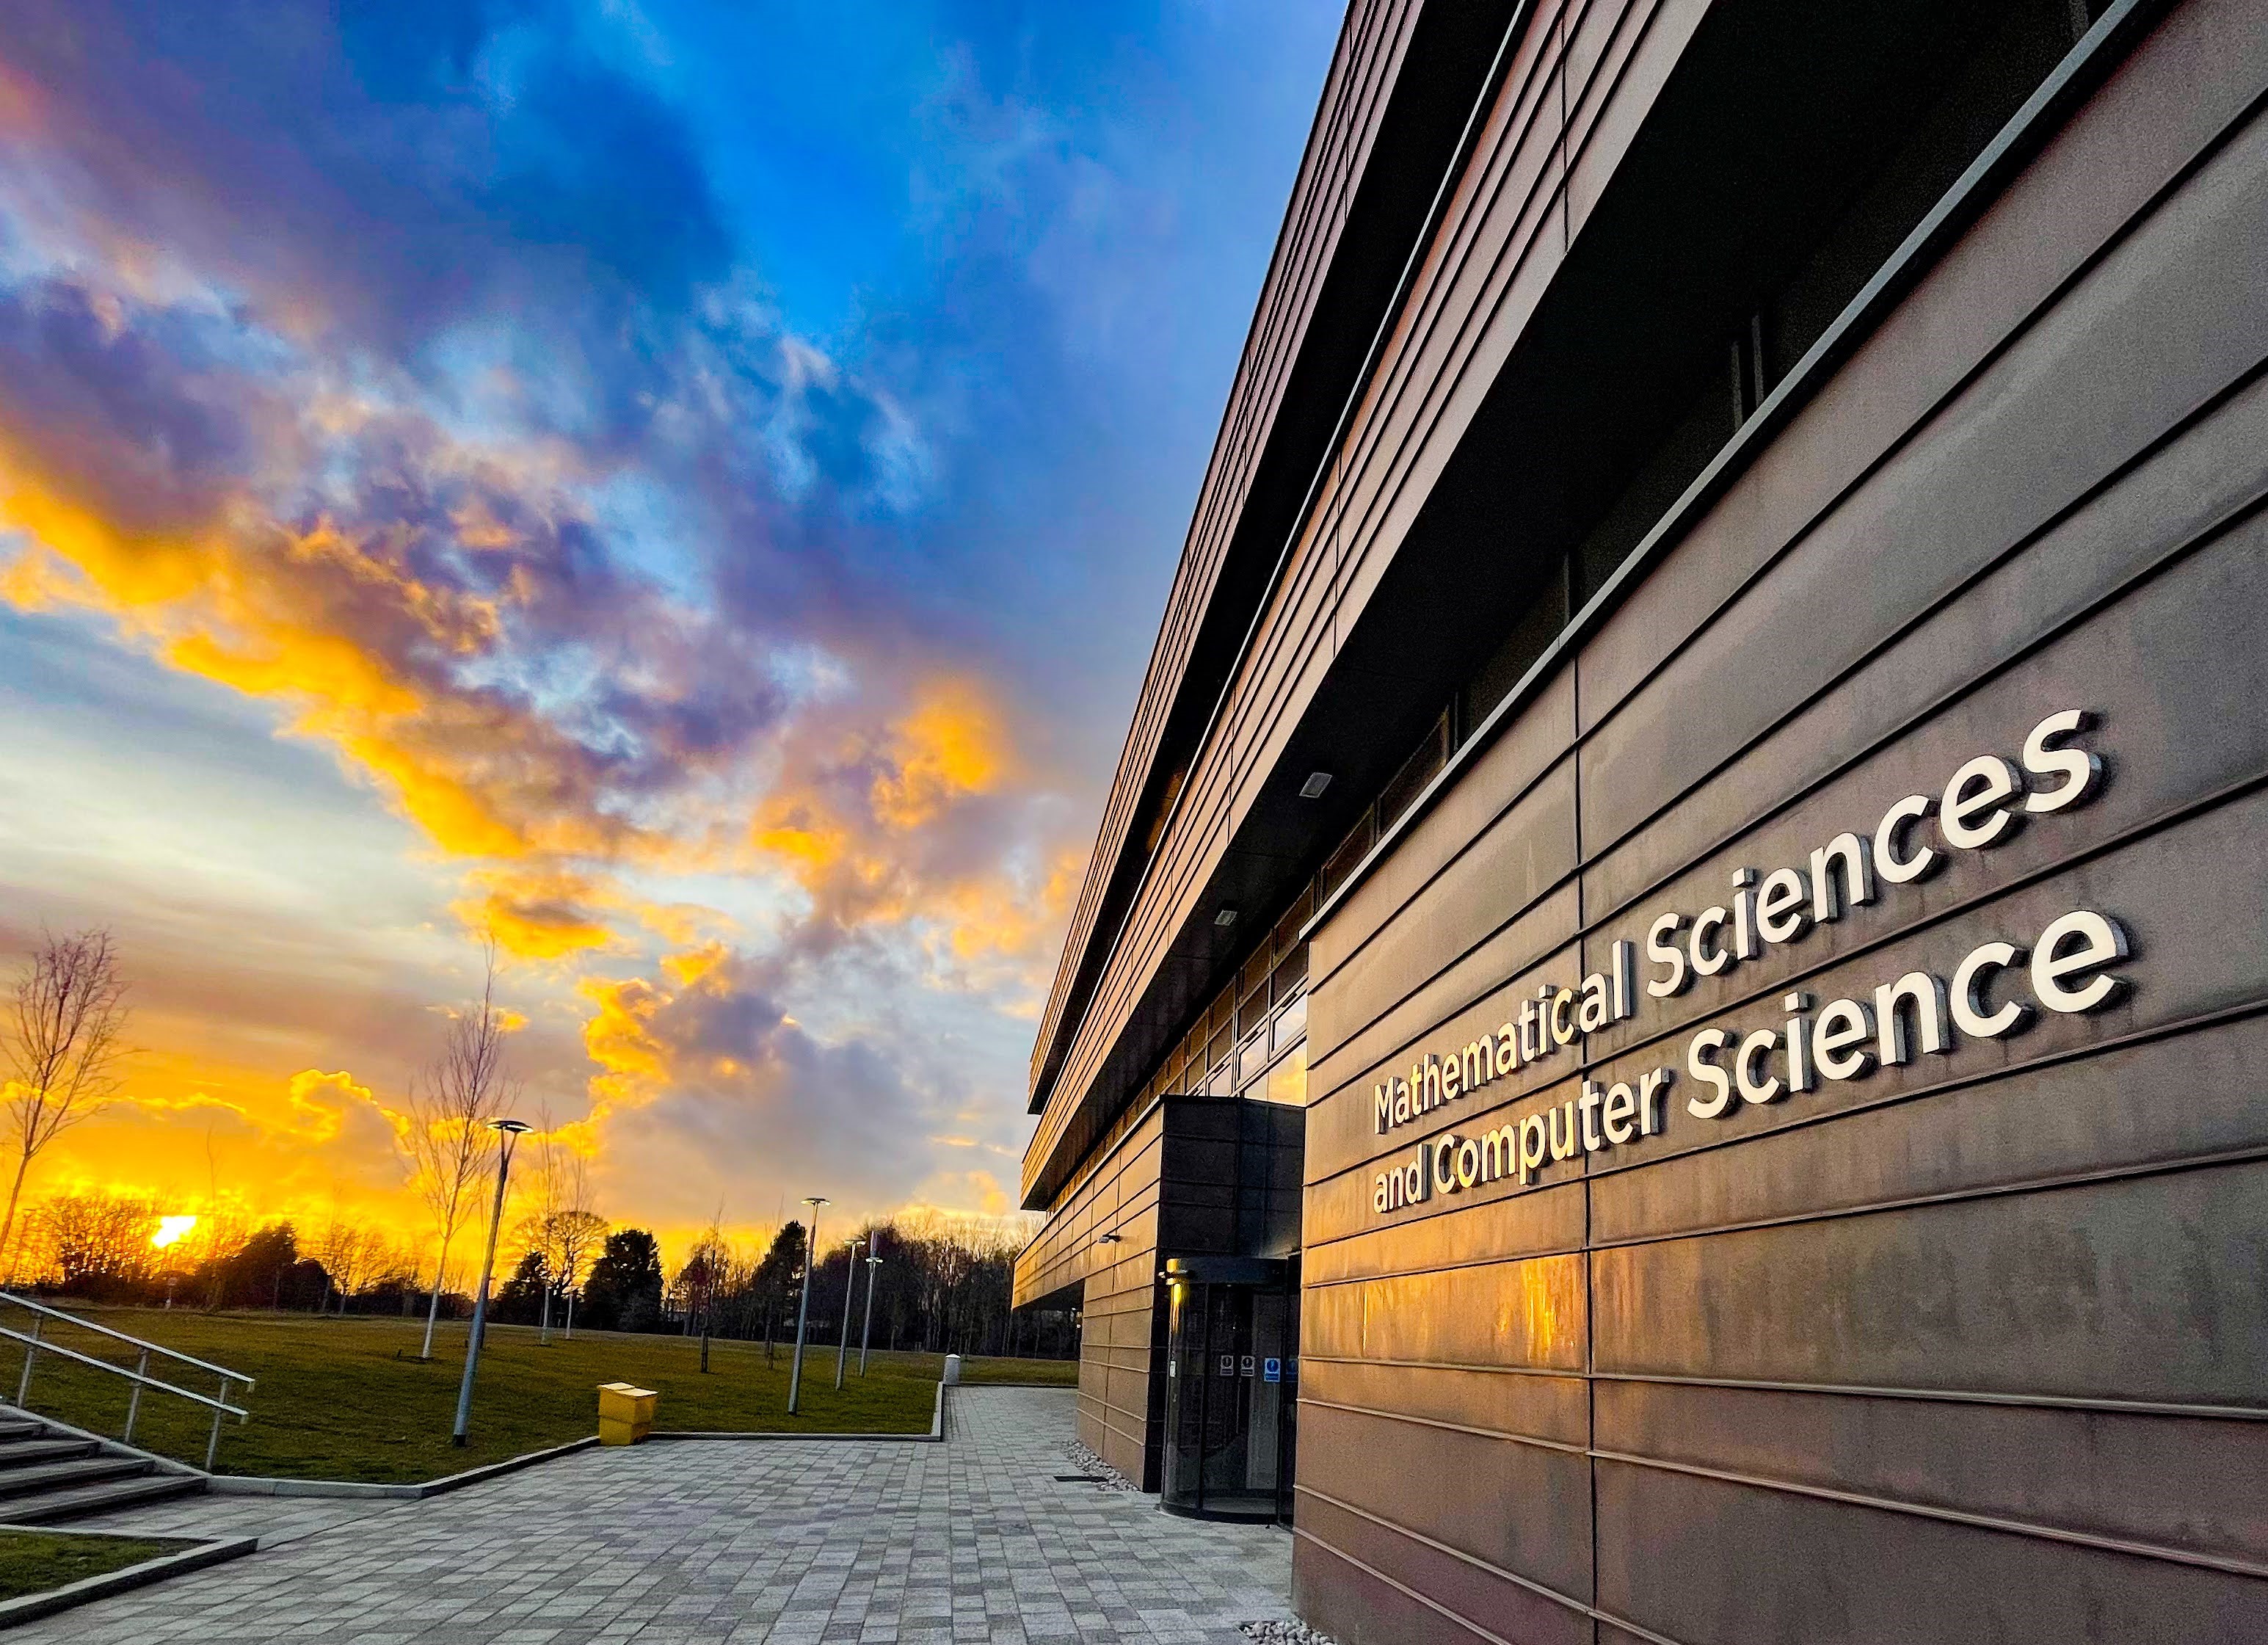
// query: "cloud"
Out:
[415,373]
[321,1101]
[540,914]
[707,1082]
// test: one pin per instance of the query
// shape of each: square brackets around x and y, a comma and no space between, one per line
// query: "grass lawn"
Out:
[334,1400]
[1046,1373]
[34,1561]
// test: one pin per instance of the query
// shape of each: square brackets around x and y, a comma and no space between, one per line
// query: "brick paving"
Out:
[723,1542]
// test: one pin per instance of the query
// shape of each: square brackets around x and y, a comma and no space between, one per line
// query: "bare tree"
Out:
[702,1279]
[70,1008]
[94,1241]
[578,1231]
[349,1251]
[450,1104]
[540,1227]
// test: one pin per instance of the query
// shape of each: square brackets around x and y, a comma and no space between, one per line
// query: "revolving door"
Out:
[1232,1389]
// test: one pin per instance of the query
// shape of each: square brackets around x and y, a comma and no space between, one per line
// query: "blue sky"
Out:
[687,489]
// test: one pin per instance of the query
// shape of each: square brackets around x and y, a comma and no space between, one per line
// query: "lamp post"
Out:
[850,1287]
[511,1128]
[803,1309]
[867,1335]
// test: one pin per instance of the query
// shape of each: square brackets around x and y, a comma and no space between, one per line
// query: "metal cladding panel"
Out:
[1975,1346]
[1169,1187]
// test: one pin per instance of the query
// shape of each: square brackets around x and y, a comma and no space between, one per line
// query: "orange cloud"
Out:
[904,826]
[334,623]
[951,746]
[619,1039]
[537,914]
[319,1101]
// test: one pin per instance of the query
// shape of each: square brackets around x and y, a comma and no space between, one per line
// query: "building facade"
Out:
[1659,1041]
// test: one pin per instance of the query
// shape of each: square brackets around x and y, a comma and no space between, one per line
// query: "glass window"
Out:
[1287,929]
[1423,765]
[1255,974]
[1223,1082]
[1290,1023]
[1288,1080]
[1351,852]
[1291,974]
[1252,1057]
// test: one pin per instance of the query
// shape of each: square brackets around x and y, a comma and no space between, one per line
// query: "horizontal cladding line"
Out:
[2001,1523]
[2244,1568]
[2203,538]
[2156,1032]
[1373,444]
[1386,387]
[2199,539]
[1471,322]
[1444,192]
[1829,1213]
[1565,1374]
[1949,1396]
[2157,822]
[1541,1591]
[1314,215]
[1098,1165]
[1139,1418]
[1900,273]
[1567,937]
[1536,1440]
[1238,729]
[1143,1195]
[1952,1516]
[1112,1431]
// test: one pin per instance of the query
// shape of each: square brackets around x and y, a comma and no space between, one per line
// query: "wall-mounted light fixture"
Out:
[1313,788]
[1107,1239]
[1225,918]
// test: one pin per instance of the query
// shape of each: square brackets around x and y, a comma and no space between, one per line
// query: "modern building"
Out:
[1663,1040]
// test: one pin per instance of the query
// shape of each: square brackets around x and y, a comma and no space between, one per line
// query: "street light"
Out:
[872,1263]
[849,1286]
[511,1128]
[803,1309]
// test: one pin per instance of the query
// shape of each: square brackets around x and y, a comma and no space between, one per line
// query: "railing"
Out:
[35,1345]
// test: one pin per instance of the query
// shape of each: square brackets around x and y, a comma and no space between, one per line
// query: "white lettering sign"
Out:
[1996,990]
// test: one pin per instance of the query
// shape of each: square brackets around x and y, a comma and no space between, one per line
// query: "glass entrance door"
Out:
[1231,1389]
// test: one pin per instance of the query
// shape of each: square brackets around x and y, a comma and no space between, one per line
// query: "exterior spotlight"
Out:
[1105,1239]
[1226,918]
[1313,788]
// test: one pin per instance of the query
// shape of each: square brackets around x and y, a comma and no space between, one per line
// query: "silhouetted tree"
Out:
[62,1051]
[624,1290]
[448,1141]
[96,1246]
[251,1275]
[520,1301]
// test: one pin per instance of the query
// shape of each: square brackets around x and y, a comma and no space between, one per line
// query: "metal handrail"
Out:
[44,1347]
[35,1345]
[119,1336]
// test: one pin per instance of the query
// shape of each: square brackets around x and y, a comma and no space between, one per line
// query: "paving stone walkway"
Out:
[723,1542]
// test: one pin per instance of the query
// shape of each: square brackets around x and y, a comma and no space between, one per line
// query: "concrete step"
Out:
[20,1428]
[18,1483]
[48,1507]
[23,1453]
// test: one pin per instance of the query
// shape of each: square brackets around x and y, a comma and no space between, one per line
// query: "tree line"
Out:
[927,1281]
[940,1284]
